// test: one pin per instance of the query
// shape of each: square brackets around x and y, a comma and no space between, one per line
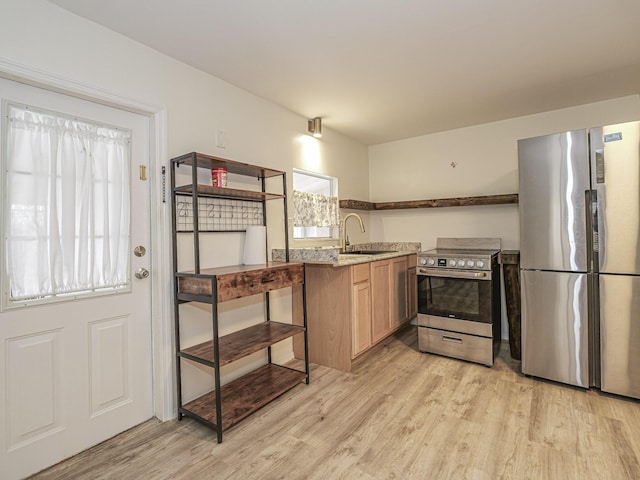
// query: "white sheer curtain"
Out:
[67,206]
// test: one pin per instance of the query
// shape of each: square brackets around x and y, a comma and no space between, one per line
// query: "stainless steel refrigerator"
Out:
[579,206]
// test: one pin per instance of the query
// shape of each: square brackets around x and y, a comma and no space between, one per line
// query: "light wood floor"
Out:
[400,415]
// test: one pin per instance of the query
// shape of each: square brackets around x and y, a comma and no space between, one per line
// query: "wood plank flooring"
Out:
[401,414]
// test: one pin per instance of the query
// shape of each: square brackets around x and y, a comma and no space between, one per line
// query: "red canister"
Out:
[219,177]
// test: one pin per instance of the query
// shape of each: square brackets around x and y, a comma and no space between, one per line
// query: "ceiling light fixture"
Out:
[314,127]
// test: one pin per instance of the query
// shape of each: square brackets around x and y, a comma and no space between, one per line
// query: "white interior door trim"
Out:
[162,294]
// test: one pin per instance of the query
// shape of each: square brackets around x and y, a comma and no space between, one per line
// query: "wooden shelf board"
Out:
[209,161]
[232,269]
[247,394]
[435,203]
[187,297]
[357,205]
[244,342]
[224,192]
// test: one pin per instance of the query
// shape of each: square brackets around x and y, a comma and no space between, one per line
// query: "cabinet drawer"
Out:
[239,284]
[412,260]
[360,272]
[243,284]
[457,345]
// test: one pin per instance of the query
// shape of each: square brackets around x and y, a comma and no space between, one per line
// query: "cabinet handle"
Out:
[451,339]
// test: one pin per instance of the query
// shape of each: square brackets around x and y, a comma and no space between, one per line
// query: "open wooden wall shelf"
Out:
[436,203]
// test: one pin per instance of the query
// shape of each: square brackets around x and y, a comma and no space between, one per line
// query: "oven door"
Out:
[459,294]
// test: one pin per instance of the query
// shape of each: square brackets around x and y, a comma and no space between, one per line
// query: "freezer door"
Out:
[554,176]
[555,326]
[615,167]
[620,334]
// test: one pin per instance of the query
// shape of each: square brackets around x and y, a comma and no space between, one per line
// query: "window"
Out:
[66,209]
[315,201]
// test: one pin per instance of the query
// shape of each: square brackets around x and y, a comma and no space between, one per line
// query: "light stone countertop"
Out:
[328,255]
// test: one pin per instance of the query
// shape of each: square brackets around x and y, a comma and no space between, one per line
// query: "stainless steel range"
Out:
[459,299]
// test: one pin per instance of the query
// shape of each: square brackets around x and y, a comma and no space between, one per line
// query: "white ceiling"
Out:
[379,70]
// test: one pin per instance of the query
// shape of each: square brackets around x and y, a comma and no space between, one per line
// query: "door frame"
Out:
[163,373]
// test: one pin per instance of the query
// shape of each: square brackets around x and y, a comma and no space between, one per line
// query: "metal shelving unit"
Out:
[228,404]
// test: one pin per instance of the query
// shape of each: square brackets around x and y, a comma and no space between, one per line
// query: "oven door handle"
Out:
[453,274]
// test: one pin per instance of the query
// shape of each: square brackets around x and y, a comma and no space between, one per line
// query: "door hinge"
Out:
[143,172]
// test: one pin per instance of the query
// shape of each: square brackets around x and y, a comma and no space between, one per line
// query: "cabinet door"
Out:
[398,288]
[412,292]
[361,317]
[380,297]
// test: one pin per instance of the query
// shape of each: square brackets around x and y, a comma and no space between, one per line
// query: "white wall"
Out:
[46,38]
[340,157]
[486,163]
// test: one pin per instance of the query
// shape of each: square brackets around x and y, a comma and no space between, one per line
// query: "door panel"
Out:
[35,398]
[620,334]
[110,364]
[412,292]
[380,299]
[554,176]
[77,371]
[555,326]
[361,319]
[615,166]
[399,292]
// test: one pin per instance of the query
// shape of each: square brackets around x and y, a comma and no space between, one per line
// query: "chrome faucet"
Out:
[344,239]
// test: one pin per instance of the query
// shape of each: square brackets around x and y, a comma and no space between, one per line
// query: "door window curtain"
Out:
[66,218]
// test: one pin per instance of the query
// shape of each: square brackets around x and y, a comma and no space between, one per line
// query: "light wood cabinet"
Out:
[399,308]
[329,309]
[361,311]
[350,309]
[389,286]
[412,292]
[380,298]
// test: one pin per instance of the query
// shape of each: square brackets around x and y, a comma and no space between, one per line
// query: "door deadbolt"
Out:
[139,251]
[142,273]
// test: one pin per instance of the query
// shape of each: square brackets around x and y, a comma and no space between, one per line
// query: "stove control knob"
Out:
[423,261]
[431,262]
[461,263]
[480,264]
[452,263]
[470,263]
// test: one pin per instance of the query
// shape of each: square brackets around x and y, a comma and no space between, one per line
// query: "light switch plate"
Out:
[222,138]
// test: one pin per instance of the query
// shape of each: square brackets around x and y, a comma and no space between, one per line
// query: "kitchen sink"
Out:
[368,252]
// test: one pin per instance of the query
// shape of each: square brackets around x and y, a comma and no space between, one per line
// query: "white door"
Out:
[78,371]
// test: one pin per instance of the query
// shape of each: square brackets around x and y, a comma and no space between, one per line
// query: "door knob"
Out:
[142,273]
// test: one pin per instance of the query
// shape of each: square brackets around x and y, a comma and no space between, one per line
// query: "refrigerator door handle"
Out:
[594,215]
[591,212]
[593,237]
[599,164]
